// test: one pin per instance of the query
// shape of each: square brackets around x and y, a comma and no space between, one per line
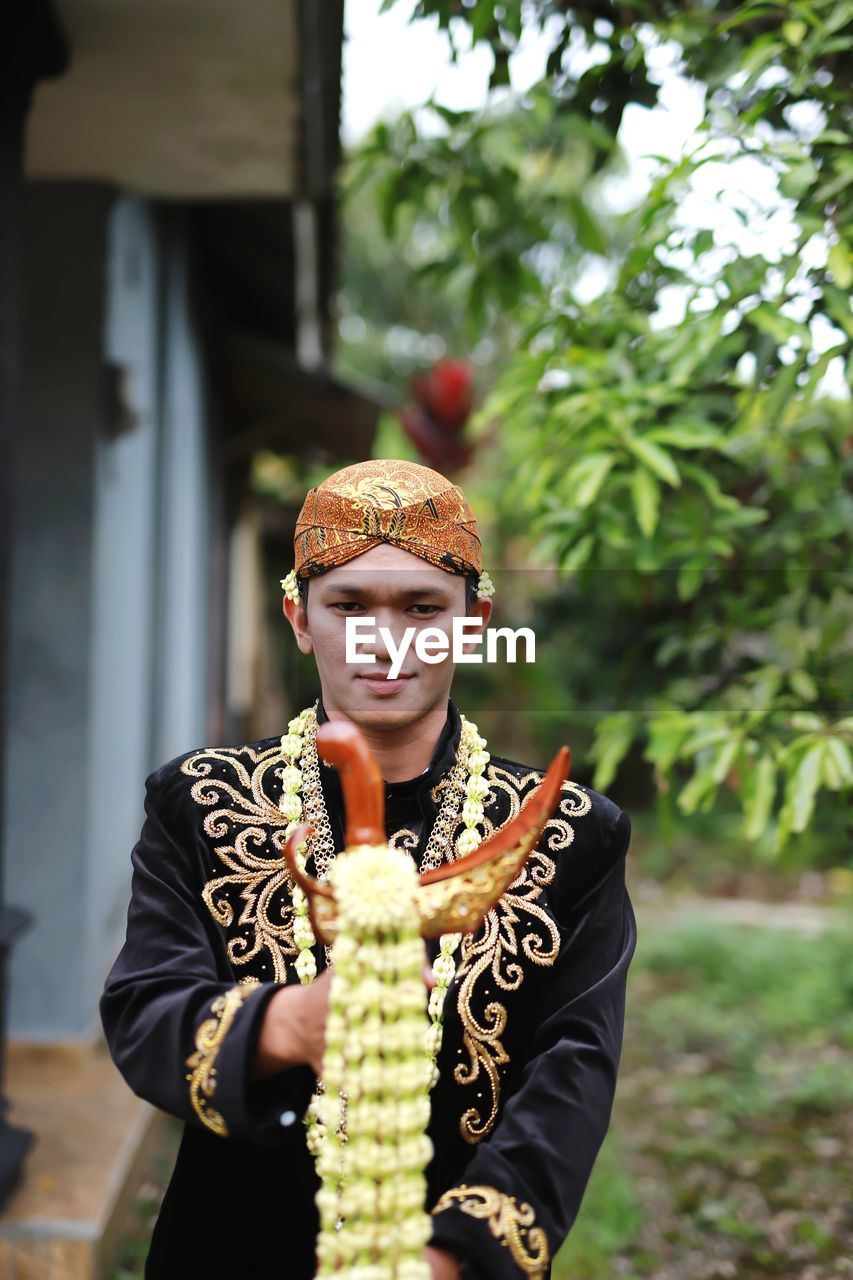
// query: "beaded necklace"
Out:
[302,794]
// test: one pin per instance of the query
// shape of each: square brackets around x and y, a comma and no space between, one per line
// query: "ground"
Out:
[728,1152]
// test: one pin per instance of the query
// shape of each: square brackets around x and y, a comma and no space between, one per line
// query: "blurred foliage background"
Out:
[663,423]
[660,457]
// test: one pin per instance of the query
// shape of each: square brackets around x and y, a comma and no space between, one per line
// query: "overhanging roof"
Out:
[273,403]
[175,98]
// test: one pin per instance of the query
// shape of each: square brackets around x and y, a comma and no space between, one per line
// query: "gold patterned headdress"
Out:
[386,500]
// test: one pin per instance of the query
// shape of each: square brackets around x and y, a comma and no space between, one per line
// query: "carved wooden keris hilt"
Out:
[453,898]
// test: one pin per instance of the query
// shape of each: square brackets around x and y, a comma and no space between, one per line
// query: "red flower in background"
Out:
[444,397]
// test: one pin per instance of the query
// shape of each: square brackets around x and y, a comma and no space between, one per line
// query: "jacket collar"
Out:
[417,789]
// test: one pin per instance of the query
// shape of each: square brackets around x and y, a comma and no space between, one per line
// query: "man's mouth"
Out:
[380,682]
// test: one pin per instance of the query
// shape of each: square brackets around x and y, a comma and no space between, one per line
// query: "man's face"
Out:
[400,591]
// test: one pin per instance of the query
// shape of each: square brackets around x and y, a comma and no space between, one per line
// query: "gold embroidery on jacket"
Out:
[509,1222]
[202,1063]
[518,926]
[248,829]
[404,839]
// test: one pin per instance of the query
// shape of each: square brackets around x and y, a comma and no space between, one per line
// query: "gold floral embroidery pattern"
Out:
[517,926]
[509,1222]
[241,787]
[405,839]
[202,1063]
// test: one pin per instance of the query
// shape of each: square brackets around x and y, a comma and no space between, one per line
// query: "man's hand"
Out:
[445,1266]
[294,1026]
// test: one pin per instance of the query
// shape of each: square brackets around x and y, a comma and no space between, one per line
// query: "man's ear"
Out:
[297,616]
[482,609]
[479,609]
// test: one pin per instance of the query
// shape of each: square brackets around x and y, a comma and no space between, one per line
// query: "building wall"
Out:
[108,644]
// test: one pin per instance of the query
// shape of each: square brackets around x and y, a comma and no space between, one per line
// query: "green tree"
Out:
[690,477]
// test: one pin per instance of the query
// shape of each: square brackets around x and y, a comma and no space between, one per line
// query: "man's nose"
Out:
[388,622]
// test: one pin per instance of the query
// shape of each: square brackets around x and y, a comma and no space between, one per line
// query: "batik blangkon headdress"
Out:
[386,500]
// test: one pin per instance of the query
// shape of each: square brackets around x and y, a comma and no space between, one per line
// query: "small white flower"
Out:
[291,745]
[467,843]
[303,934]
[485,586]
[290,587]
[436,1001]
[434,1034]
[291,807]
[477,788]
[472,813]
[291,778]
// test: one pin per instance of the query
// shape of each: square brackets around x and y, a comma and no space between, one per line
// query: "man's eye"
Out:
[430,608]
[345,604]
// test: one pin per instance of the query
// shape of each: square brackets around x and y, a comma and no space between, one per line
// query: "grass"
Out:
[733,1117]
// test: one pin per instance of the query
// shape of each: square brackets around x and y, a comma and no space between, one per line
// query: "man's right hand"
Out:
[294,1028]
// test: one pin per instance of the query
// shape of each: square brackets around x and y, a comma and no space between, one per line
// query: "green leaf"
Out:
[646,494]
[655,458]
[614,735]
[576,557]
[725,758]
[806,722]
[803,685]
[586,477]
[837,764]
[690,578]
[667,734]
[710,487]
[802,788]
[589,233]
[794,31]
[841,264]
[697,792]
[689,437]
[779,327]
[759,790]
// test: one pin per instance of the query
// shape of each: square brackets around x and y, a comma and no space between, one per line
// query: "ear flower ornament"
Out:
[369,1134]
[485,586]
[290,587]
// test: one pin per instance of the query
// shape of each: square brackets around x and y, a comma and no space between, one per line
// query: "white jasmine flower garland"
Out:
[366,1124]
[371,1201]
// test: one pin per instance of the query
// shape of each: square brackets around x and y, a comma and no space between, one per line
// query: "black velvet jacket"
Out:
[533,1022]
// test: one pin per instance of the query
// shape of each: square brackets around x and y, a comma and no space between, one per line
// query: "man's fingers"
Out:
[429,976]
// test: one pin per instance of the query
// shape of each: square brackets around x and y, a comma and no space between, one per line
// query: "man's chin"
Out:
[369,708]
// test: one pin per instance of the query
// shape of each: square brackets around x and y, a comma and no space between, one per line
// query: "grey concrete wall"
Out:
[121,706]
[109,627]
[48,750]
[150,633]
[185,519]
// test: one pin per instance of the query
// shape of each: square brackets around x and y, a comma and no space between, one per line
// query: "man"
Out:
[210,1011]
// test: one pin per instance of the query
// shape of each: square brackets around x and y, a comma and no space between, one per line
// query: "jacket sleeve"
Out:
[523,1187]
[182,1032]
